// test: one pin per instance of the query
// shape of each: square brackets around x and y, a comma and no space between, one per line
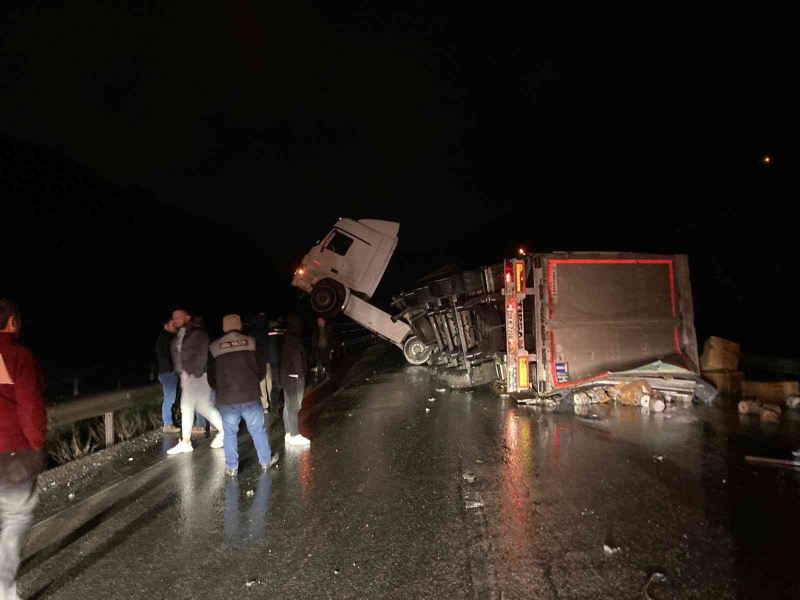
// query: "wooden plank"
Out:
[773,392]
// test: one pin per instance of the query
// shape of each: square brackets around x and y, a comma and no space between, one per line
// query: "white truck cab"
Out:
[354,253]
[342,272]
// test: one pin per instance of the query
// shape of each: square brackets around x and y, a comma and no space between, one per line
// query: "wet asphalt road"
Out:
[469,496]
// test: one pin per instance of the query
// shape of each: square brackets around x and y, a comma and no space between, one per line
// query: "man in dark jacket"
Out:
[190,357]
[322,345]
[293,378]
[23,425]
[167,375]
[236,372]
[273,356]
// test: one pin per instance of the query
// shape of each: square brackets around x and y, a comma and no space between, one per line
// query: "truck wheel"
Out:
[424,330]
[327,297]
[416,352]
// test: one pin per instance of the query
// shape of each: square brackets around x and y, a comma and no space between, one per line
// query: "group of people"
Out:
[231,379]
[235,378]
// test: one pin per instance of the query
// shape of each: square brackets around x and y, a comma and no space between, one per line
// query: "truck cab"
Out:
[351,258]
[341,273]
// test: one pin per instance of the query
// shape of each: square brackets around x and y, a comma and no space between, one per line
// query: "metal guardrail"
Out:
[106,403]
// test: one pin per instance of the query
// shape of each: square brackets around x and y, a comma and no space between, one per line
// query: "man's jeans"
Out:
[253,415]
[17,502]
[169,381]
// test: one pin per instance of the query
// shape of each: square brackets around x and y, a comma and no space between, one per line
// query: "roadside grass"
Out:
[75,441]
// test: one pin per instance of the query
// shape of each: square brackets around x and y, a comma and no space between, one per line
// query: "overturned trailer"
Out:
[546,324]
[541,325]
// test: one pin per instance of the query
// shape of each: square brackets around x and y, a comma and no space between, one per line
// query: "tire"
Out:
[415,352]
[424,330]
[327,298]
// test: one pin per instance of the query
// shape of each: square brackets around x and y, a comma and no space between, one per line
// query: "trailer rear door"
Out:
[610,312]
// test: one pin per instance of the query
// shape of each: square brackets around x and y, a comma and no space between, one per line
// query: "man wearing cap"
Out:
[236,372]
[190,357]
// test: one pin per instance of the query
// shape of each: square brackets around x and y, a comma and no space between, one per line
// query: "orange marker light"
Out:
[522,372]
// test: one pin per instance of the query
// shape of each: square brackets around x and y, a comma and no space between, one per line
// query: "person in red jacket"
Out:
[23,425]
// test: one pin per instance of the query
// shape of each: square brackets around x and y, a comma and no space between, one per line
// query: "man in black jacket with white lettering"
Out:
[235,372]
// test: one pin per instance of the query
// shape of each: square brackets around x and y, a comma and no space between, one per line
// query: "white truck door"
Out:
[347,254]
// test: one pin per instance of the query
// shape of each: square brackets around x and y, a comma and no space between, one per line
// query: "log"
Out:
[631,394]
[750,407]
[770,416]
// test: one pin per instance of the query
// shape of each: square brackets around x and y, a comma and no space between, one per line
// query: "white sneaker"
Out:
[217,441]
[180,448]
[298,440]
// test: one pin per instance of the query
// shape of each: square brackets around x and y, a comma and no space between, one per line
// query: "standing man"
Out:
[23,425]
[235,372]
[190,357]
[167,375]
[293,379]
[273,356]
[322,343]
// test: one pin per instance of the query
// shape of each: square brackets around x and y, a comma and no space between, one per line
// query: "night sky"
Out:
[160,153]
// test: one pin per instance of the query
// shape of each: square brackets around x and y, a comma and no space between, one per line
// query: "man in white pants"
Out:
[190,357]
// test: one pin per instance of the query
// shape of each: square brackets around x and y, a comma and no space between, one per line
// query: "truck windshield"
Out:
[339,243]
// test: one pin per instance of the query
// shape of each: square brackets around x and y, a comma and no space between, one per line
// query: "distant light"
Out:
[522,251]
[766,160]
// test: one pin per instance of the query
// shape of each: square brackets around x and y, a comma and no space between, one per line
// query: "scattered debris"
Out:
[71,496]
[728,383]
[655,577]
[659,457]
[251,493]
[471,504]
[610,550]
[773,392]
[441,389]
[469,477]
[750,407]
[337,571]
[427,410]
[480,462]
[719,355]
[771,413]
[632,393]
[251,583]
[431,399]
[130,459]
